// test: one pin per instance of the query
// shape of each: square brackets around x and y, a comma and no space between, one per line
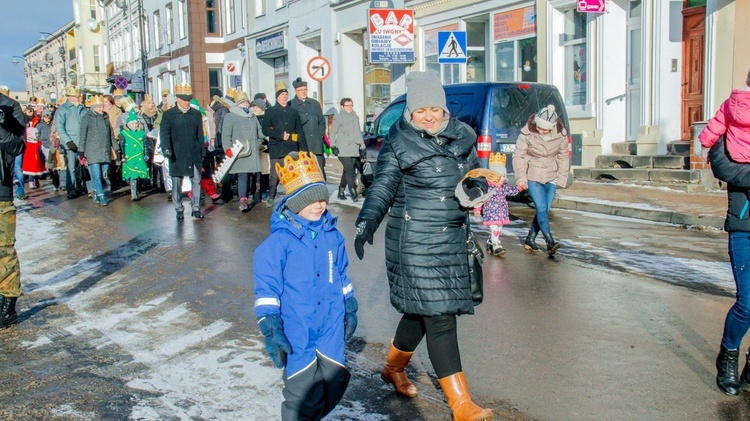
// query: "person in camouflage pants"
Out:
[12,132]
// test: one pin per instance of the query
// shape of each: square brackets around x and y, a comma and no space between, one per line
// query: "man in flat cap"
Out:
[313,122]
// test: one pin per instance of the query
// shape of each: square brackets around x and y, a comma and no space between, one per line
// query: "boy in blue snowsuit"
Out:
[304,300]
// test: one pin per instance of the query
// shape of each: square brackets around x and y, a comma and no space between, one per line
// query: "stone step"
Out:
[658,175]
[679,147]
[642,161]
[624,148]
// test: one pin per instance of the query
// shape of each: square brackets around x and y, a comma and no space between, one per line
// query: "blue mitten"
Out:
[350,317]
[276,343]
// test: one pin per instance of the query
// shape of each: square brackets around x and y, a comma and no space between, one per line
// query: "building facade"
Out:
[86,47]
[46,64]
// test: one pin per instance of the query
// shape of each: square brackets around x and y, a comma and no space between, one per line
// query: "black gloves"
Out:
[365,230]
[71,146]
[335,150]
[277,344]
[167,153]
[350,317]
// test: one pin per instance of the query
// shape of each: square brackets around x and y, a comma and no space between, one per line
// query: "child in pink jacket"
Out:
[732,119]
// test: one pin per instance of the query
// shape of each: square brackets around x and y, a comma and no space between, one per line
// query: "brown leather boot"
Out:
[457,392]
[393,372]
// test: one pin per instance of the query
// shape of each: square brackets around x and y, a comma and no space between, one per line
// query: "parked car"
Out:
[497,111]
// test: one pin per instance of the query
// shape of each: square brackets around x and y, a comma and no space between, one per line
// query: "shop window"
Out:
[449,73]
[574,47]
[377,82]
[516,61]
[476,42]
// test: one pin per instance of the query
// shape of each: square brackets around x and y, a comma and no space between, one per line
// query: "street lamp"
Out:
[44,40]
[17,59]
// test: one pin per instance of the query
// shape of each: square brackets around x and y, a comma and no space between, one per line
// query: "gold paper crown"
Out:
[498,159]
[165,91]
[240,96]
[95,100]
[231,93]
[296,174]
[183,89]
[72,91]
[118,92]
[279,86]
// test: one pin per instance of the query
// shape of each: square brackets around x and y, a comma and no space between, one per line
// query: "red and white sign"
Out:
[318,68]
[592,6]
[391,35]
[232,68]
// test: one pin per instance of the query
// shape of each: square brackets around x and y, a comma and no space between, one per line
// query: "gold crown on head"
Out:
[95,100]
[498,158]
[118,92]
[72,91]
[183,89]
[298,173]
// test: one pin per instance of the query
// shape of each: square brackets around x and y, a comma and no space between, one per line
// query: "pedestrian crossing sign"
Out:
[452,46]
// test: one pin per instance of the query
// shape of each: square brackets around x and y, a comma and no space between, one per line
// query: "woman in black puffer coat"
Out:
[422,160]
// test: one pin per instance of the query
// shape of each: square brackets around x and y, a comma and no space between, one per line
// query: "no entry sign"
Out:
[318,68]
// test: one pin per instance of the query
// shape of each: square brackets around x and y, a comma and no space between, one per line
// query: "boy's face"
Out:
[134,125]
[314,211]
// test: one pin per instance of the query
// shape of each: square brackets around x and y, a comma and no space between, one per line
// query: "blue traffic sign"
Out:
[121,82]
[452,47]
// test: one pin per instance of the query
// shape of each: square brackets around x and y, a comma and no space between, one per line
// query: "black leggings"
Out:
[348,177]
[442,340]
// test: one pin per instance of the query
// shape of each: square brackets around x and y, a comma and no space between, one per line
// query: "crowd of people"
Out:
[426,157]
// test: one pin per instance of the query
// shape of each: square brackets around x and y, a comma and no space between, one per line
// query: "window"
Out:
[214,79]
[182,11]
[169,24]
[260,7]
[514,34]
[574,46]
[92,7]
[97,59]
[157,30]
[475,44]
[212,17]
[146,34]
[450,73]
[229,14]
[280,3]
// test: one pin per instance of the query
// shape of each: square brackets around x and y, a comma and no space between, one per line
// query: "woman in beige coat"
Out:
[541,163]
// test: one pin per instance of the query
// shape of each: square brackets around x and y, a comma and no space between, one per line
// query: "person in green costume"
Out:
[135,154]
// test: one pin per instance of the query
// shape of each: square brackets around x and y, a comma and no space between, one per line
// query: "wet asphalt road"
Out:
[130,314]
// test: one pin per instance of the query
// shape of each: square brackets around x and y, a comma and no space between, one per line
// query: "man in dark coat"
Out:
[313,122]
[12,133]
[181,133]
[283,127]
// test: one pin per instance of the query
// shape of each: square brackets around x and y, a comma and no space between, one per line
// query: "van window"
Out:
[390,116]
[461,106]
[512,107]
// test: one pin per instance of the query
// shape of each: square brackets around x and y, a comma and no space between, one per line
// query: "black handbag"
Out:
[476,258]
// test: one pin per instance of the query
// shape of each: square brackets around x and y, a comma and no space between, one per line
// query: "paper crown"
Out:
[132,116]
[127,103]
[231,93]
[118,92]
[72,91]
[498,159]
[95,100]
[183,89]
[165,92]
[279,87]
[298,173]
[241,96]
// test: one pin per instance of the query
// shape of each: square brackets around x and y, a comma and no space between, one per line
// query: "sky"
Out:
[22,22]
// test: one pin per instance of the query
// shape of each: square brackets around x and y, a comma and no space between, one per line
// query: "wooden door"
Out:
[693,47]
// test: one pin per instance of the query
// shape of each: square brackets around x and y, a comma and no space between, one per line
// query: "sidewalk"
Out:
[660,204]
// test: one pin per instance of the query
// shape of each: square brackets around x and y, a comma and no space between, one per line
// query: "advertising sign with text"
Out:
[391,35]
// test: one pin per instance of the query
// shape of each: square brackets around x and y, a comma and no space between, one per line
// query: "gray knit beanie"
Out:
[311,193]
[546,118]
[423,90]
